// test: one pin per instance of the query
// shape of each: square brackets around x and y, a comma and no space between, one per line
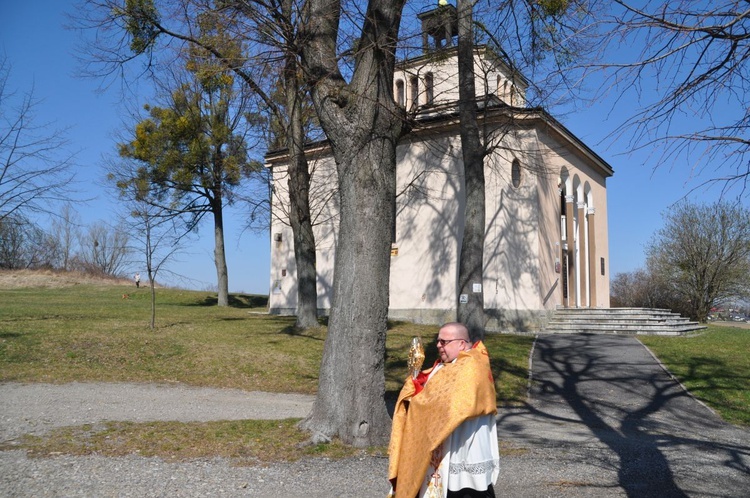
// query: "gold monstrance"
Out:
[416,357]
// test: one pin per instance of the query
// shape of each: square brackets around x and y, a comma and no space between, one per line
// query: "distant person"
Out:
[444,435]
[137,280]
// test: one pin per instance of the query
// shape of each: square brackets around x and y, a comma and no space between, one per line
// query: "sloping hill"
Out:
[53,278]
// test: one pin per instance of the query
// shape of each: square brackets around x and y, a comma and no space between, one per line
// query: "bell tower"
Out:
[439,27]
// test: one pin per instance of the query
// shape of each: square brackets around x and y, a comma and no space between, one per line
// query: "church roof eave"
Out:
[447,118]
[444,117]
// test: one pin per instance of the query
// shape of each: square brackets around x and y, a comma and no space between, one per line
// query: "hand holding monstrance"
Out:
[416,357]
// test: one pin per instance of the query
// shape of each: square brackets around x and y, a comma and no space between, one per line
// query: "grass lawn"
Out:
[94,333]
[714,366]
[90,333]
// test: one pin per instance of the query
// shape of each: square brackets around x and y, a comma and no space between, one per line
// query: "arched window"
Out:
[429,89]
[515,174]
[400,93]
[414,90]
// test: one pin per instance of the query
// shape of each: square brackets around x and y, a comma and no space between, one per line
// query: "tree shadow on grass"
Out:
[314,333]
[243,301]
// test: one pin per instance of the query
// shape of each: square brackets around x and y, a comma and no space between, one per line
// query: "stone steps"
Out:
[625,321]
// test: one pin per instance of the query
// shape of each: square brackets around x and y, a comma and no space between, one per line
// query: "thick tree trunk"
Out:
[350,402]
[470,310]
[363,125]
[220,258]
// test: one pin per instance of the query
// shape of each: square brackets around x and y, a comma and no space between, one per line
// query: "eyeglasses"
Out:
[443,342]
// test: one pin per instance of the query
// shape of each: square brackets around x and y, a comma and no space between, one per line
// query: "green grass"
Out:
[90,333]
[714,367]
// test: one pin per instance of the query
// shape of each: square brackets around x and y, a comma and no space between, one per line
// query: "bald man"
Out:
[444,436]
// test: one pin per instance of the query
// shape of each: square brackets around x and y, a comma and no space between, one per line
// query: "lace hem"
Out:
[474,468]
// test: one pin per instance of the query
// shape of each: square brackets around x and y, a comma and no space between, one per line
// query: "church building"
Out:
[546,242]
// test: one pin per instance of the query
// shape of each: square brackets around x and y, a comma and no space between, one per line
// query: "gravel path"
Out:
[36,408]
[604,420]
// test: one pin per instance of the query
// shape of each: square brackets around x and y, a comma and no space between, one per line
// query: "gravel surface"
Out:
[36,408]
[604,420]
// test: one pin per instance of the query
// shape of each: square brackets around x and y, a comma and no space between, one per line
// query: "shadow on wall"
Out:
[430,207]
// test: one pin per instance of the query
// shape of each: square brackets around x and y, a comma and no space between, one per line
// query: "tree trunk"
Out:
[220,258]
[470,272]
[363,125]
[150,272]
[152,287]
[304,240]
[350,402]
[299,198]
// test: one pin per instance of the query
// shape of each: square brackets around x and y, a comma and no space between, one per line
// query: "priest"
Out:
[444,437]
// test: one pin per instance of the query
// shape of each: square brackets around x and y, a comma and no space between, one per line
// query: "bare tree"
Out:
[156,235]
[65,231]
[643,289]
[156,232]
[267,33]
[104,249]
[34,167]
[16,235]
[687,67]
[703,252]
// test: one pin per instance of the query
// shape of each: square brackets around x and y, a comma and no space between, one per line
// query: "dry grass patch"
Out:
[509,450]
[55,278]
[245,442]
[571,484]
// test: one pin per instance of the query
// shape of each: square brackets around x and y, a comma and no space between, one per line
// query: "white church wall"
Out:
[515,259]
[324,212]
[559,157]
[512,217]
[428,227]
[429,230]
[521,282]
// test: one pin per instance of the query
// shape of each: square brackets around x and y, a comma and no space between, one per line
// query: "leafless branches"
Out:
[685,65]
[34,167]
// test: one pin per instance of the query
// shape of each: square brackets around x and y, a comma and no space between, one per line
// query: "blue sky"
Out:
[41,53]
